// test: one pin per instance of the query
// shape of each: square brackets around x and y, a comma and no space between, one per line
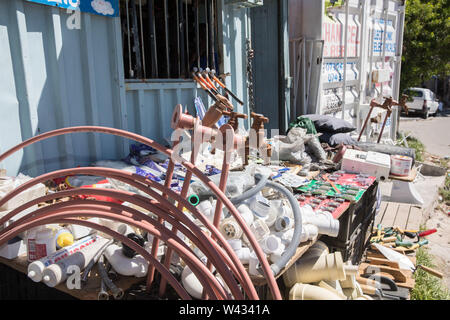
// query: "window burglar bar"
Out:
[166,39]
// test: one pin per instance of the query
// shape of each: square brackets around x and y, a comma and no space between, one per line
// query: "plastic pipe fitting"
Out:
[315,269]
[253,264]
[246,214]
[270,244]
[309,232]
[301,291]
[283,223]
[191,283]
[260,229]
[260,205]
[230,228]
[324,221]
[137,266]
[243,253]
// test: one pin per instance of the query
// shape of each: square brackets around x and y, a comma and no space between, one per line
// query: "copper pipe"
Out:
[222,185]
[207,245]
[189,166]
[133,245]
[165,234]
[120,175]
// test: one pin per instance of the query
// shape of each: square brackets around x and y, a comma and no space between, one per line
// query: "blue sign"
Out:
[109,8]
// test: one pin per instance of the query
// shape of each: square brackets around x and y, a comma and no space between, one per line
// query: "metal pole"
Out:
[166,25]
[142,38]
[197,33]
[136,45]
[130,67]
[151,22]
[177,4]
[344,84]
[186,43]
[206,33]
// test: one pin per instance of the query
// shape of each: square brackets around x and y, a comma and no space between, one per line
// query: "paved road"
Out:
[434,132]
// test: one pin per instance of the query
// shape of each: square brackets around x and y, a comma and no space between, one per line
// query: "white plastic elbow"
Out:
[324,221]
[246,214]
[136,266]
[309,232]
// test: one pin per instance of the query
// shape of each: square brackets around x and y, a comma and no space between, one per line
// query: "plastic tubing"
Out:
[262,180]
[188,165]
[83,204]
[290,250]
[203,274]
[117,174]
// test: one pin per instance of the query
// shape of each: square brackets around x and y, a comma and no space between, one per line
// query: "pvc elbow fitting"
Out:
[206,208]
[324,221]
[243,255]
[276,256]
[309,232]
[246,214]
[315,269]
[192,285]
[253,264]
[301,291]
[136,266]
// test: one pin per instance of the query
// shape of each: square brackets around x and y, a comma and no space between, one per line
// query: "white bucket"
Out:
[401,165]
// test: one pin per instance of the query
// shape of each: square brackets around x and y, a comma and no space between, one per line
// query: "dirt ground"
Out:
[435,135]
[439,242]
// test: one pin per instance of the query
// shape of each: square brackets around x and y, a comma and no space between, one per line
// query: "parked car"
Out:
[421,100]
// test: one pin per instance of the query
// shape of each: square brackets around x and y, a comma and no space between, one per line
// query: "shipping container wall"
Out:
[54,76]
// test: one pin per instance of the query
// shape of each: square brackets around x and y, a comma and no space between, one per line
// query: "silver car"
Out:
[421,100]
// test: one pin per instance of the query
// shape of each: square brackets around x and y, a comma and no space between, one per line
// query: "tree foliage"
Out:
[426,41]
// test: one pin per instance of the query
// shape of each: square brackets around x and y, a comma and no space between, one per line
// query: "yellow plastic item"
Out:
[64,239]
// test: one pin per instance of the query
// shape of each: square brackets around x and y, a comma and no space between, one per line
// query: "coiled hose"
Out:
[291,249]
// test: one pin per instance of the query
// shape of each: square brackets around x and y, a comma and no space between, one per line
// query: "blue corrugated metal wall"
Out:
[54,77]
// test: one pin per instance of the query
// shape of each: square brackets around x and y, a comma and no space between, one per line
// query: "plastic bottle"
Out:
[40,242]
[36,268]
[57,272]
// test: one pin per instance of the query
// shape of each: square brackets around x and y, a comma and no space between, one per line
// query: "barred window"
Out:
[166,39]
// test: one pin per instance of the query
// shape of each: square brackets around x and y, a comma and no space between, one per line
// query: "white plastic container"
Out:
[40,242]
[14,248]
[401,165]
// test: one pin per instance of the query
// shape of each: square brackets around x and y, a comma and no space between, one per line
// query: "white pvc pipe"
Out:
[193,286]
[324,221]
